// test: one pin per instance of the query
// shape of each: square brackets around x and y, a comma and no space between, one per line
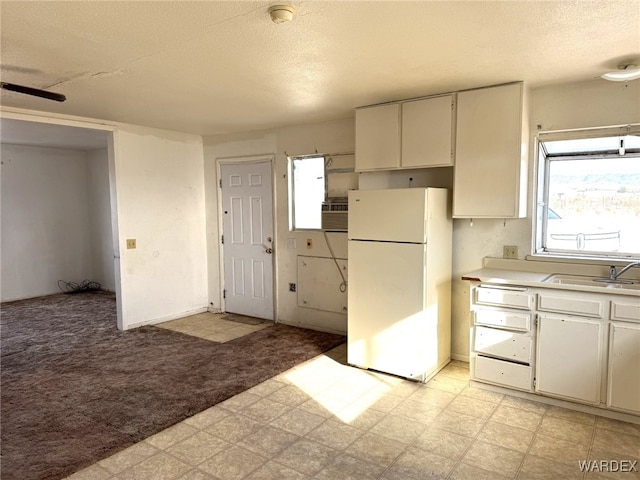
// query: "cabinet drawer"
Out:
[503,297]
[496,318]
[625,310]
[503,343]
[503,373]
[589,307]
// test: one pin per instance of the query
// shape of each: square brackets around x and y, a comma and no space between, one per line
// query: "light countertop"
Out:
[532,274]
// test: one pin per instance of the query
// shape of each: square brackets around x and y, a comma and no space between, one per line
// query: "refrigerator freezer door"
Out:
[391,328]
[395,215]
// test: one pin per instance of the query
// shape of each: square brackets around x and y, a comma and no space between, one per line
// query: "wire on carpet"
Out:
[73,287]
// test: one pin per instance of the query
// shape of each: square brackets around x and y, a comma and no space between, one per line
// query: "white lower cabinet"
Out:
[502,340]
[624,367]
[507,374]
[582,347]
[513,346]
[569,357]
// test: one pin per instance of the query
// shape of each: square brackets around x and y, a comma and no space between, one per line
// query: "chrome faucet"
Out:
[613,275]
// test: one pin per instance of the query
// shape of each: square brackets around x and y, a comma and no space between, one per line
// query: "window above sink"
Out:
[588,193]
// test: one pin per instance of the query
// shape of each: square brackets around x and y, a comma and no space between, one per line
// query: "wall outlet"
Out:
[309,244]
[510,251]
[292,287]
[131,243]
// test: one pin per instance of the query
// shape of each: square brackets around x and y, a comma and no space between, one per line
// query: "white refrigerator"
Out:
[399,290]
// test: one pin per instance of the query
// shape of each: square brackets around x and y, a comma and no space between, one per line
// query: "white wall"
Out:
[160,203]
[585,104]
[99,204]
[331,137]
[45,220]
[578,105]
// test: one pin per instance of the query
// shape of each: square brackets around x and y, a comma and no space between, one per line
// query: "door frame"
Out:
[247,159]
[111,129]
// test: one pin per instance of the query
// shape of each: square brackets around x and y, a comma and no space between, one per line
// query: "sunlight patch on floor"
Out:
[344,391]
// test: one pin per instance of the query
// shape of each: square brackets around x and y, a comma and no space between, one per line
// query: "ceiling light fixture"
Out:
[281,13]
[623,74]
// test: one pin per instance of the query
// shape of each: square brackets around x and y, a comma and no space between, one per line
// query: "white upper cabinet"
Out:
[378,137]
[427,132]
[411,134]
[490,174]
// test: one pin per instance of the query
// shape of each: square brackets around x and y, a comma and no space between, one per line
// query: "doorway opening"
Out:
[59,224]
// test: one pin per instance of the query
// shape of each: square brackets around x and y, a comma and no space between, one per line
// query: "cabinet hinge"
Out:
[222,239]
[220,183]
[534,383]
[224,294]
[535,320]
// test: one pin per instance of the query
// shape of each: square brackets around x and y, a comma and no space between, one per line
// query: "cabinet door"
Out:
[569,357]
[427,129]
[624,367]
[491,153]
[378,137]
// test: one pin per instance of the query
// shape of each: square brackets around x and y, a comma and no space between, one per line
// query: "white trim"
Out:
[56,119]
[593,410]
[112,149]
[167,318]
[460,358]
[592,132]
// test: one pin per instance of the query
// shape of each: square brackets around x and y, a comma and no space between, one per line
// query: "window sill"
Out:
[574,259]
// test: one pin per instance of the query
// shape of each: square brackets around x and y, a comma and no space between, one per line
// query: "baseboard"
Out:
[593,410]
[311,327]
[460,358]
[167,318]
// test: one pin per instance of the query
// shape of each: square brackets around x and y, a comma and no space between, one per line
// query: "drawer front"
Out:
[504,373]
[625,310]
[503,297]
[504,344]
[496,318]
[587,307]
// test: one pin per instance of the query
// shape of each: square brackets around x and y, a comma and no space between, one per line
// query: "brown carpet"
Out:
[76,390]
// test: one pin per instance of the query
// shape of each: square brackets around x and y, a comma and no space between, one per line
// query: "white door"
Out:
[394,215]
[569,357]
[247,222]
[624,359]
[388,325]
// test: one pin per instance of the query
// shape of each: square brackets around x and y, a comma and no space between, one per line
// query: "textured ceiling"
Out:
[220,67]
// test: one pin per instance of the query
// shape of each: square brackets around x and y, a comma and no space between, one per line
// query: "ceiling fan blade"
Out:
[58,97]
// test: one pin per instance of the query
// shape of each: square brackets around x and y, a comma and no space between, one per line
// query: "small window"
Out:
[589,193]
[306,192]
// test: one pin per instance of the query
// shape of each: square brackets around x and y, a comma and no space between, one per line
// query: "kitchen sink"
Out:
[585,280]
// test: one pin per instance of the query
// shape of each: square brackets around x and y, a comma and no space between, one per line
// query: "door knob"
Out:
[269,250]
[268,239]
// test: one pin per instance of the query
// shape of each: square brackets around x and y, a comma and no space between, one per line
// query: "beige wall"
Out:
[586,104]
[579,105]
[330,138]
[160,203]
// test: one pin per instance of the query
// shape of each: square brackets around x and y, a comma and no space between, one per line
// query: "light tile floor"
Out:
[217,327]
[325,420]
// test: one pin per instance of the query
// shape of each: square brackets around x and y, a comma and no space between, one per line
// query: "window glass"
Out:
[591,200]
[308,192]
